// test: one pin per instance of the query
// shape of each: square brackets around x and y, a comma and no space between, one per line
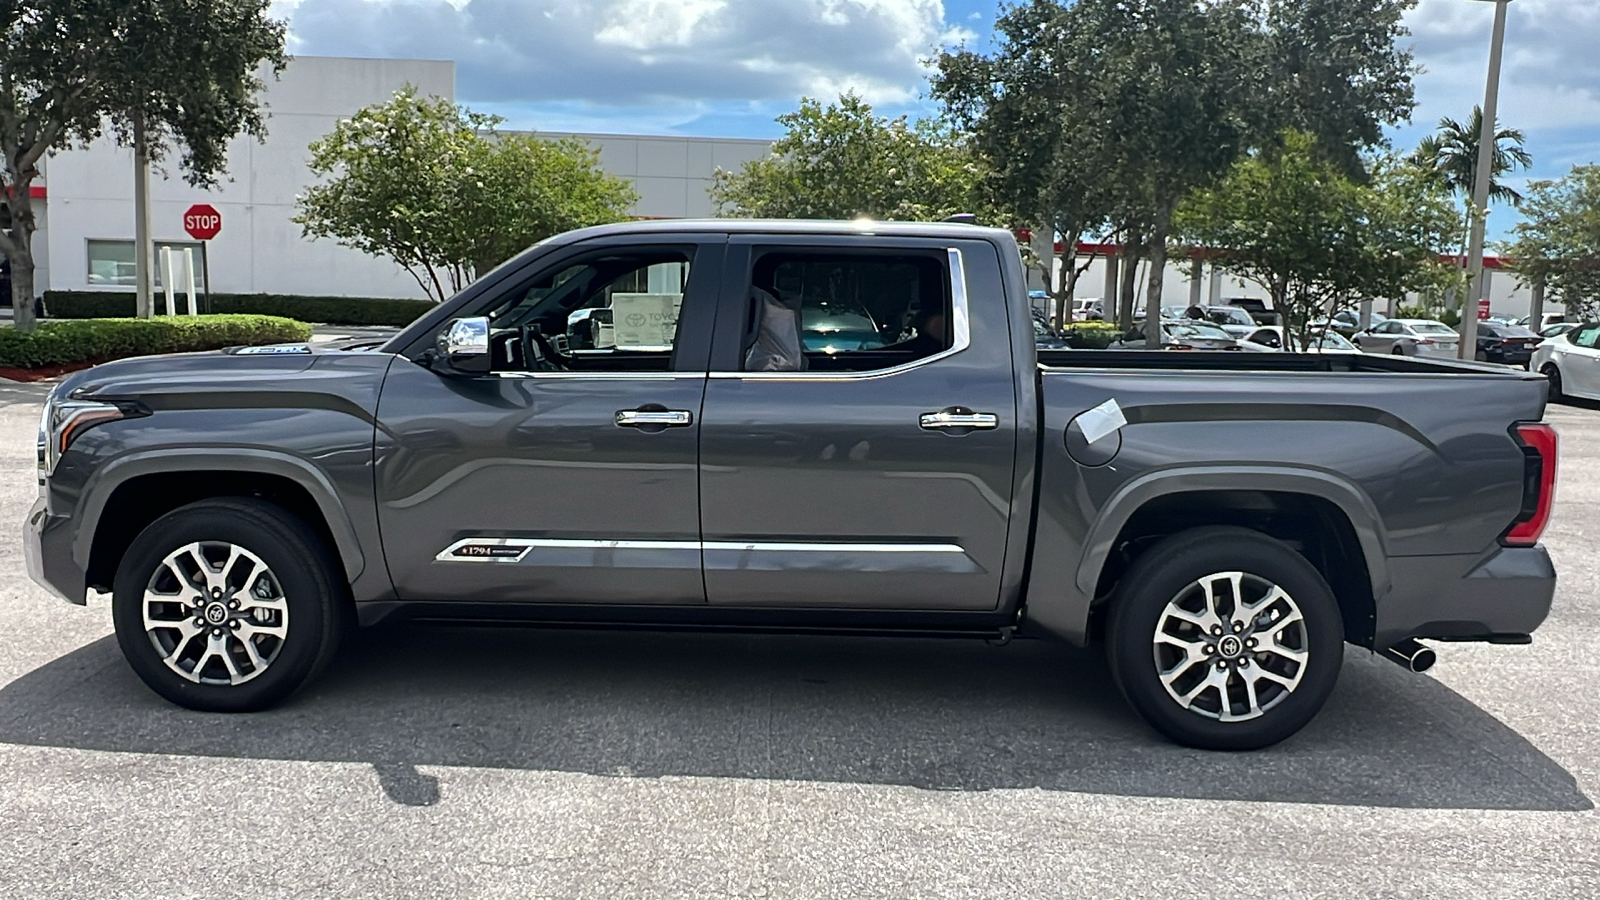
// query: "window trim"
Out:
[960,328]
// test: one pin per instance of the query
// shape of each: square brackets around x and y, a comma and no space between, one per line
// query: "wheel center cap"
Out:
[1230,646]
[216,613]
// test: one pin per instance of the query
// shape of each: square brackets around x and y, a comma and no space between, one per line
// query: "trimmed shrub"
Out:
[327,310]
[1091,335]
[98,340]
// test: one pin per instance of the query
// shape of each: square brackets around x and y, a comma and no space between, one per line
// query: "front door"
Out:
[568,475]
[859,433]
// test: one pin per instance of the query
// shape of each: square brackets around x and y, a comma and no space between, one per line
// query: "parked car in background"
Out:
[1347,322]
[1557,330]
[1272,337]
[1257,309]
[1089,310]
[1572,363]
[1410,337]
[1178,334]
[1499,342]
[1545,321]
[1234,320]
[1046,338]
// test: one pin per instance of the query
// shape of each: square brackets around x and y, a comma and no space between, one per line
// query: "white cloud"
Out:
[634,53]
[1551,74]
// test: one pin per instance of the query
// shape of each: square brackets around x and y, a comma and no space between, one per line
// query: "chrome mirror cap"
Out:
[464,345]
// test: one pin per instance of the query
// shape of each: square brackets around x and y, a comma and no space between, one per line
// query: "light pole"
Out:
[1480,184]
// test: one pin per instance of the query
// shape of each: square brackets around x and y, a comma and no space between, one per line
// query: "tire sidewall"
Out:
[293,561]
[1553,375]
[1170,567]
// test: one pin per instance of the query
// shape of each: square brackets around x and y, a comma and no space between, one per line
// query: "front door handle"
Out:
[959,417]
[654,418]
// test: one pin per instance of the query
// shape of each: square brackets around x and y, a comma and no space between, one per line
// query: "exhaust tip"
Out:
[1411,655]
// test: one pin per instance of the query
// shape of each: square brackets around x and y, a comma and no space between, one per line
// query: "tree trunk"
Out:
[19,251]
[1158,267]
[1130,278]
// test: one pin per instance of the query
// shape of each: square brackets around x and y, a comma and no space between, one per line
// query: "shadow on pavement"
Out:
[936,714]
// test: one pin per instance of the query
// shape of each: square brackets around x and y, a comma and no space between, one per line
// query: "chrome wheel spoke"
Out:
[248,631]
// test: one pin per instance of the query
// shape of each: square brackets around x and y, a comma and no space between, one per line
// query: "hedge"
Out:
[1091,335]
[327,310]
[98,340]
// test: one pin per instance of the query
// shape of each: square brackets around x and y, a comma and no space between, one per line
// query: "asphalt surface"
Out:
[459,762]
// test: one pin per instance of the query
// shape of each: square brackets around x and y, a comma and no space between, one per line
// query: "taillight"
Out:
[1538,442]
[1424,341]
[1179,347]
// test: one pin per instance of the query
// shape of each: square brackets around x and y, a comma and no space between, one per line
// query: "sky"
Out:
[726,68]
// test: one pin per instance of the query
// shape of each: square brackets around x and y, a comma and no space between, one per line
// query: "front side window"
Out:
[612,312]
[853,312]
[1587,336]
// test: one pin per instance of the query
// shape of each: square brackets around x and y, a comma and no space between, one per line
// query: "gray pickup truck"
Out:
[841,427]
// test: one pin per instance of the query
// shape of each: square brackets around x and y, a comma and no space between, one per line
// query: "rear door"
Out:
[877,471]
[568,474]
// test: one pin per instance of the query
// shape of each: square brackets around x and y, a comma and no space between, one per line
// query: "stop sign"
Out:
[202,221]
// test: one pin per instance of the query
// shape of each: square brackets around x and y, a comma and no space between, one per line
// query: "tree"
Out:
[1451,155]
[1557,243]
[180,73]
[435,187]
[841,161]
[1319,240]
[1027,115]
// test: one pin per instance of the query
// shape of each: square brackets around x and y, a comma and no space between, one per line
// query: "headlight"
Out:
[64,420]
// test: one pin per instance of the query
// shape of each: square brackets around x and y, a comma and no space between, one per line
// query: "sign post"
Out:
[203,223]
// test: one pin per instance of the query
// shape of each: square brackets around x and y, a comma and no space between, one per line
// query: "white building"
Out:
[85,206]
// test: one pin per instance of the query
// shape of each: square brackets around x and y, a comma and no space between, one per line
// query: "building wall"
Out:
[671,174]
[259,249]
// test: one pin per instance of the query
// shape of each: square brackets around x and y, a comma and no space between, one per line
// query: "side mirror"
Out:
[464,346]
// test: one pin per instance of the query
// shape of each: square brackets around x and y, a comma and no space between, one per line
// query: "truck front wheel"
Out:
[227,605]
[1225,639]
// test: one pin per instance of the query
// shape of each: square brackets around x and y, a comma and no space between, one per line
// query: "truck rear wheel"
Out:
[228,605]
[1225,639]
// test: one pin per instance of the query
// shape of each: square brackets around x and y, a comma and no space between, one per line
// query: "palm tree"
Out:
[1451,153]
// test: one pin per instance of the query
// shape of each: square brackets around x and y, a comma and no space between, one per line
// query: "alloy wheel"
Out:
[215,613]
[1230,646]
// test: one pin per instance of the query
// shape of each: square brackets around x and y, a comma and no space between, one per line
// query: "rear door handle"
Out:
[654,418]
[959,417]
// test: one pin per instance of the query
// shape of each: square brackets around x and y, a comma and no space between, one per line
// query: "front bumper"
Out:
[1466,598]
[47,549]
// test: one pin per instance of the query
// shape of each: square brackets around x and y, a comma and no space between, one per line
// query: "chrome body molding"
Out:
[767,555]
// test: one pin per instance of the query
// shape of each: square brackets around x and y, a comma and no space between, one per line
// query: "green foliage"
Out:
[1317,240]
[841,161]
[70,70]
[1091,335]
[433,186]
[98,340]
[1451,153]
[1558,241]
[325,310]
[1106,113]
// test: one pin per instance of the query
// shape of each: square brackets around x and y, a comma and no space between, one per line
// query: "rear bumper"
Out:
[47,549]
[1466,598]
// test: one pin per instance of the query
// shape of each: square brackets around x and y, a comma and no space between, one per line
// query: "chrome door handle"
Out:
[959,418]
[665,418]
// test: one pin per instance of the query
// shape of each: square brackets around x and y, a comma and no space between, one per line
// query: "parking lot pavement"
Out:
[469,762]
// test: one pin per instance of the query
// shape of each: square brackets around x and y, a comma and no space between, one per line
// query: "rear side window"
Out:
[1432,328]
[837,312]
[1587,336]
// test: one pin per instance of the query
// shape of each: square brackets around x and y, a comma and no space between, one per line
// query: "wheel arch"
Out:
[129,493]
[1330,521]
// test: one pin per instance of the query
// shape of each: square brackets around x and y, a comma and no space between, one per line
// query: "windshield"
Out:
[1229,315]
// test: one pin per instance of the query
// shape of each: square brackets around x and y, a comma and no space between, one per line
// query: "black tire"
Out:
[1398,351]
[1554,375]
[1160,575]
[1481,356]
[307,579]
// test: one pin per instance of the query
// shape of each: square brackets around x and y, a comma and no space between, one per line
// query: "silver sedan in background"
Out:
[1410,337]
